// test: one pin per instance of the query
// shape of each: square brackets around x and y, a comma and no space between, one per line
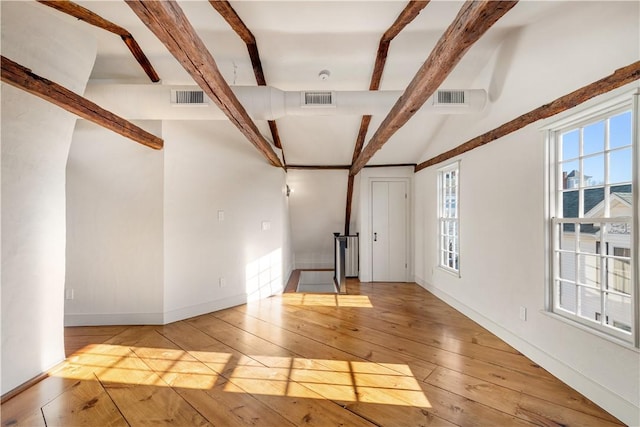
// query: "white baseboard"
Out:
[105,319]
[615,404]
[203,308]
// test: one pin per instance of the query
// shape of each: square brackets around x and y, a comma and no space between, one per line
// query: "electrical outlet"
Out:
[222,282]
[220,216]
[266,225]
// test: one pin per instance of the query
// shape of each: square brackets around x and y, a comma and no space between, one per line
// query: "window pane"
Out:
[588,242]
[593,173]
[620,169]
[589,270]
[593,198]
[619,311]
[567,264]
[570,206]
[567,237]
[570,144]
[589,303]
[593,138]
[620,130]
[619,275]
[570,174]
[567,296]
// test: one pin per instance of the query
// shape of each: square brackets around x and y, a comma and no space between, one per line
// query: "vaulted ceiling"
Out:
[298,39]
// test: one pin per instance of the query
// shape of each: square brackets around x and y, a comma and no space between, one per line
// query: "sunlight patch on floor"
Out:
[324,300]
[115,364]
[345,381]
[338,380]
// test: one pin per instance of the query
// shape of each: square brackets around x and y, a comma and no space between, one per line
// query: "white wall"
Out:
[115,228]
[211,168]
[501,200]
[317,207]
[145,242]
[36,136]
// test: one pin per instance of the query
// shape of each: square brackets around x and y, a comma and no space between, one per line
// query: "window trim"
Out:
[455,166]
[590,112]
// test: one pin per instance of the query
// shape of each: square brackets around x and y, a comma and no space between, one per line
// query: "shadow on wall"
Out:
[502,64]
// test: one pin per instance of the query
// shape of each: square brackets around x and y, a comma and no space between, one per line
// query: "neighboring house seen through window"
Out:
[592,217]
[449,210]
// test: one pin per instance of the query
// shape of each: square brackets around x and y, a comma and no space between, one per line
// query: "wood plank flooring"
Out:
[386,354]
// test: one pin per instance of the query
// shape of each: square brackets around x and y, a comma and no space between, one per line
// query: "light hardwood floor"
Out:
[387,354]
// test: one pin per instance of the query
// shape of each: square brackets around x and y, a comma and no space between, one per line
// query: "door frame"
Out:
[366,239]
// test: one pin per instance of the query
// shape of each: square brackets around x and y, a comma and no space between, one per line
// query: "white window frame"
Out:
[553,208]
[449,242]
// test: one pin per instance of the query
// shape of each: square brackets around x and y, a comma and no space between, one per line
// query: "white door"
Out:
[389,231]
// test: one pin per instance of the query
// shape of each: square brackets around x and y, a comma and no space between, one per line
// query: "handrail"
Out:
[340,256]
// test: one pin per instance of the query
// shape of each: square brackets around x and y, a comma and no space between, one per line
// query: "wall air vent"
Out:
[189,97]
[318,99]
[449,97]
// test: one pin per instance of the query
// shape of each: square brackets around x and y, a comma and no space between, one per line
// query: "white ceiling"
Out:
[298,39]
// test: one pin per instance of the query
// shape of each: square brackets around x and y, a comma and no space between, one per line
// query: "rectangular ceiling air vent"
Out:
[317,99]
[189,97]
[450,97]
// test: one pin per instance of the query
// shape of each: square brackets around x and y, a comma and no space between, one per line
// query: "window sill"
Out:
[620,342]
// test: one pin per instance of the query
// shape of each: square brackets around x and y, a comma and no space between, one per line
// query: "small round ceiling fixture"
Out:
[324,74]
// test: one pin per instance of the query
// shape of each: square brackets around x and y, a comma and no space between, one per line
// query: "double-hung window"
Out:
[449,211]
[593,219]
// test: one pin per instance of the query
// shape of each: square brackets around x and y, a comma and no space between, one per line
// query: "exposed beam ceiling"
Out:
[618,79]
[473,20]
[407,15]
[89,17]
[22,78]
[170,25]
[229,14]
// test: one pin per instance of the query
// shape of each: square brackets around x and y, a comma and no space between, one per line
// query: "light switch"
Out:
[523,314]
[220,215]
[266,225]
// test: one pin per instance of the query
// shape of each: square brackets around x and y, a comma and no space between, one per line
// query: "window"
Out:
[449,211]
[592,215]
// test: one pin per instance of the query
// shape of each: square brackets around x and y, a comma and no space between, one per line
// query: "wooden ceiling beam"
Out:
[619,78]
[347,213]
[169,23]
[473,20]
[22,78]
[229,14]
[319,167]
[408,14]
[347,167]
[84,14]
